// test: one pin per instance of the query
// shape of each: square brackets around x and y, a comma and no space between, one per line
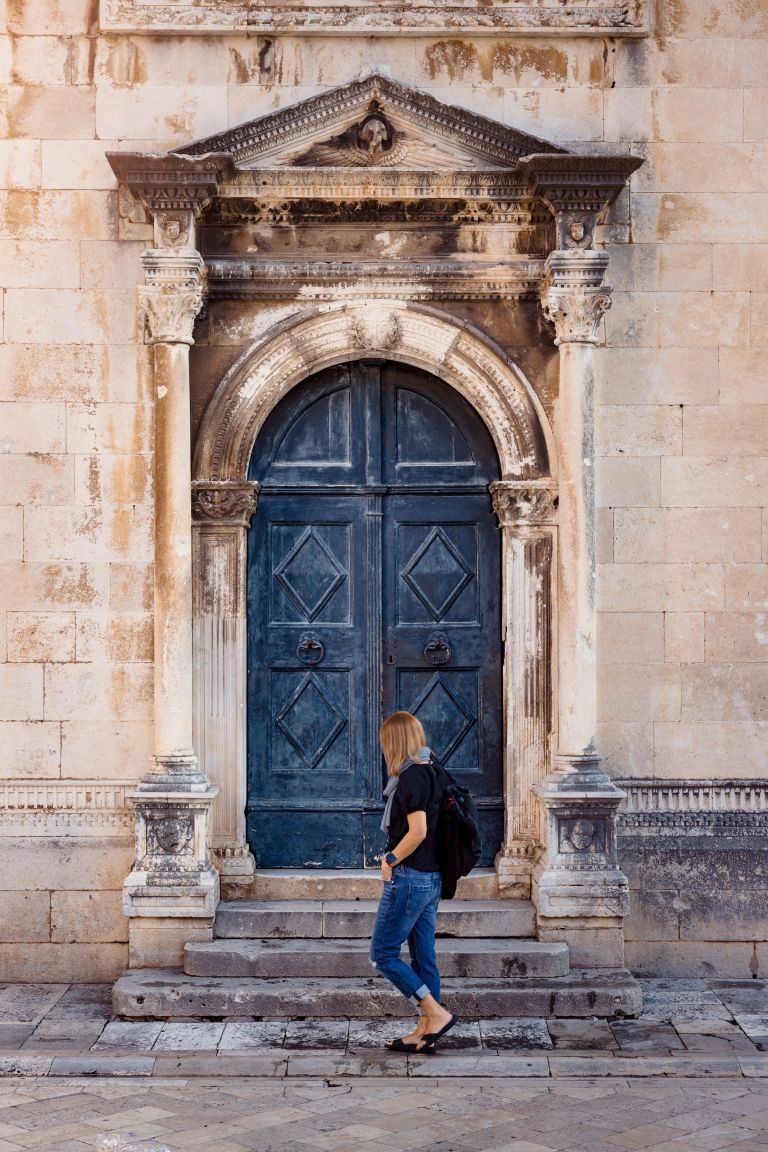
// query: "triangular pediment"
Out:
[372,123]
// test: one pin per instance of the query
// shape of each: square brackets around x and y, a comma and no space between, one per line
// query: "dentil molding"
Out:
[379,17]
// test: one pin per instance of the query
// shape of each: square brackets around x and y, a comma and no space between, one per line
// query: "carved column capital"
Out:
[520,502]
[573,295]
[172,294]
[223,503]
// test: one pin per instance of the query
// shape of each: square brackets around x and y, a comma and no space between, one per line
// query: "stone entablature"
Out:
[380,17]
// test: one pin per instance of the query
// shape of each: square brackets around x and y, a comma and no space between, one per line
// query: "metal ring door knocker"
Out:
[310,649]
[437,650]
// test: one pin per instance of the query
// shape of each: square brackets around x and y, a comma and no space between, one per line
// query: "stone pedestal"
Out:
[581,894]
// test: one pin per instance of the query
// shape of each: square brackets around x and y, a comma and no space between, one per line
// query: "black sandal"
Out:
[432,1037]
[419,1048]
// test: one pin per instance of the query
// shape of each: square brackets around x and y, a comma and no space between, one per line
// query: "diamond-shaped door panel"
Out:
[310,719]
[444,714]
[310,574]
[437,573]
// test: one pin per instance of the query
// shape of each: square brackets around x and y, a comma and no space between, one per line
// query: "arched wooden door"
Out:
[373,584]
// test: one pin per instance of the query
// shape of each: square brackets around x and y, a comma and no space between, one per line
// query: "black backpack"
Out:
[458,840]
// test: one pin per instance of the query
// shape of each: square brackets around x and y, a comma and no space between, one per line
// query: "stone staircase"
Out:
[309,958]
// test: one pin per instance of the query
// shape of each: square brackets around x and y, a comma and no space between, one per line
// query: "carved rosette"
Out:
[222,503]
[524,502]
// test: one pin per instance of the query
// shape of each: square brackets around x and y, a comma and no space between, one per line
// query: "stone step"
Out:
[273,959]
[353,919]
[342,884]
[168,994]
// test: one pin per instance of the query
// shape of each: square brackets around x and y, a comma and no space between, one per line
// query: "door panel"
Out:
[373,585]
[307,634]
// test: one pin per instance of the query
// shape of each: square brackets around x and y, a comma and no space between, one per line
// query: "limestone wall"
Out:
[682,417]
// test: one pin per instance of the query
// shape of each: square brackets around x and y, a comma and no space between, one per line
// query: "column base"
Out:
[159,943]
[236,867]
[514,864]
[593,942]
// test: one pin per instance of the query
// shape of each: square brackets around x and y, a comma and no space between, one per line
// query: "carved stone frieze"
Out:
[673,796]
[379,17]
[223,503]
[378,330]
[517,502]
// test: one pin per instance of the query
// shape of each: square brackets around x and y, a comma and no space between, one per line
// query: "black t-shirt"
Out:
[417,791]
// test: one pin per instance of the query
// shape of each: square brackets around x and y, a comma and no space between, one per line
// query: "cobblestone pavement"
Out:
[491,1115]
[689,1028]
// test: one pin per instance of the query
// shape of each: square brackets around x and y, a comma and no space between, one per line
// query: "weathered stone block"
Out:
[626,747]
[756,116]
[21,692]
[95,531]
[29,749]
[746,588]
[130,587]
[24,917]
[11,532]
[703,319]
[660,587]
[41,636]
[68,215]
[653,915]
[677,114]
[633,321]
[674,535]
[67,586]
[628,114]
[740,268]
[103,749]
[19,168]
[60,864]
[37,479]
[699,749]
[106,317]
[742,376]
[639,430]
[627,483]
[52,962]
[660,268]
[35,428]
[657,375]
[119,479]
[559,114]
[725,692]
[743,916]
[39,264]
[683,217]
[159,943]
[66,113]
[115,636]
[637,692]
[86,373]
[738,637]
[169,114]
[88,917]
[626,637]
[685,958]
[684,637]
[40,60]
[94,692]
[81,165]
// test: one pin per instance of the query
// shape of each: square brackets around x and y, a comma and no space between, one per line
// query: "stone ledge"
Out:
[380,17]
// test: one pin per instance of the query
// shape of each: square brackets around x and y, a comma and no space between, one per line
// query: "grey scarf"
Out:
[422,756]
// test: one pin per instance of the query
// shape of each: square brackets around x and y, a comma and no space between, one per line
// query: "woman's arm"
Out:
[417,832]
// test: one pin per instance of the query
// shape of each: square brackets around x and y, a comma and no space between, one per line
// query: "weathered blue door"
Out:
[374,584]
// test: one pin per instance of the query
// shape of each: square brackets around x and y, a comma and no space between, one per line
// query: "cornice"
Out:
[701,796]
[395,280]
[170,182]
[379,17]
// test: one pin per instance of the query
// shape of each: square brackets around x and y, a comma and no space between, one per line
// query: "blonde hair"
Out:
[402,738]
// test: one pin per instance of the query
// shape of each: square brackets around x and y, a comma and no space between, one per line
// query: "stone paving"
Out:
[688,1028]
[379,1115]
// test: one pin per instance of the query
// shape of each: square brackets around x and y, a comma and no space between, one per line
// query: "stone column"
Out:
[172,892]
[581,894]
[526,513]
[221,514]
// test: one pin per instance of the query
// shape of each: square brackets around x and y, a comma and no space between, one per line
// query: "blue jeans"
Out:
[408,911]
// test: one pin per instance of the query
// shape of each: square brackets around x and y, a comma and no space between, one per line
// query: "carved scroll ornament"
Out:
[224,502]
[516,502]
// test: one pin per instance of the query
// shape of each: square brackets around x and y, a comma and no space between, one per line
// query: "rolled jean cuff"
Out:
[420,993]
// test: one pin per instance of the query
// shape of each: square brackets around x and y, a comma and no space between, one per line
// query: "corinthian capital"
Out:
[524,502]
[167,314]
[172,295]
[573,296]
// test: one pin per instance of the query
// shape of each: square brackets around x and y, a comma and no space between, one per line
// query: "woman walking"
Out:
[411,879]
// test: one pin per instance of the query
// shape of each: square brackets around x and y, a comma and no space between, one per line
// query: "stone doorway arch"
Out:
[224,502]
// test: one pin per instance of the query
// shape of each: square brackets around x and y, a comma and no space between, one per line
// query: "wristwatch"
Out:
[390,859]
